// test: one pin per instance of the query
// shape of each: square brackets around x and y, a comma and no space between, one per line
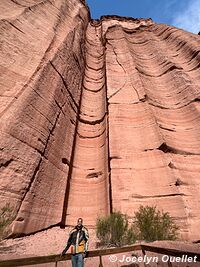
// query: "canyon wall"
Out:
[42,67]
[153,80]
[96,116]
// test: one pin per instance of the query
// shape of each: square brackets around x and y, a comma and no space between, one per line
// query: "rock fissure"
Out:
[93,122]
[64,83]
[37,169]
[159,196]
[15,27]
[5,164]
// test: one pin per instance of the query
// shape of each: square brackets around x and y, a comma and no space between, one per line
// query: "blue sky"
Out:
[184,14]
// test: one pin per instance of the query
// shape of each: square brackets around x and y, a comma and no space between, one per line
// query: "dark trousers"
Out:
[77,260]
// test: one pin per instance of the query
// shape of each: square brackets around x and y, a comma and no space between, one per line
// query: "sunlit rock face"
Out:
[42,68]
[96,116]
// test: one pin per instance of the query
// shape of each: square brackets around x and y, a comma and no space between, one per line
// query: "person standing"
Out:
[78,241]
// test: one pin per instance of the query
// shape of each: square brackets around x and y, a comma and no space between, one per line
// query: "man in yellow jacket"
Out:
[78,241]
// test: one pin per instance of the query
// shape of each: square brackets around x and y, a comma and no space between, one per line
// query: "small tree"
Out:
[6,217]
[154,225]
[113,230]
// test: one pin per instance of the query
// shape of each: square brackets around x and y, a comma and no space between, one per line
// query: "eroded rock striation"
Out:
[96,116]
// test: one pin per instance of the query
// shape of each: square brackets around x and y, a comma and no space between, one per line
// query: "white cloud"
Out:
[188,19]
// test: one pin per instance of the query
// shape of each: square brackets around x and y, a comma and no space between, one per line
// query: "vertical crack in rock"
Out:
[33,179]
[89,190]
[69,176]
[108,133]
[121,65]
[66,87]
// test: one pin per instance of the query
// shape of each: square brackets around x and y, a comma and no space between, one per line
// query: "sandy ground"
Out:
[53,241]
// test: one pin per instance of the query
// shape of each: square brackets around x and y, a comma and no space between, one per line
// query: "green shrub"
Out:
[149,224]
[6,217]
[113,230]
[154,225]
[131,236]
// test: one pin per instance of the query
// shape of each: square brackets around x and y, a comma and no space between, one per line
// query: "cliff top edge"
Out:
[114,17]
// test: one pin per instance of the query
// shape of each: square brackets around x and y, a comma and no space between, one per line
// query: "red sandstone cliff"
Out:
[96,116]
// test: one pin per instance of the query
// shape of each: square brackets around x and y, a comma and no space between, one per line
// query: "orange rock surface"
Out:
[96,116]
